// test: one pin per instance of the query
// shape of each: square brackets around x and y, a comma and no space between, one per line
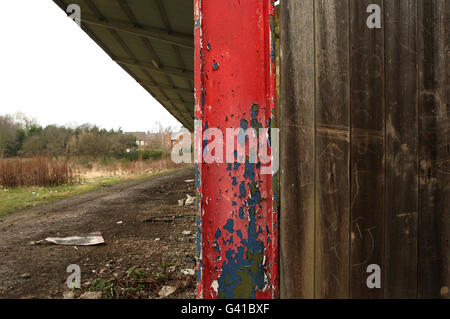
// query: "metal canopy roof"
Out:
[152,40]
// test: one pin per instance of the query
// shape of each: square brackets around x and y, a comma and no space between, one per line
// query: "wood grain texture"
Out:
[366,146]
[297,150]
[332,149]
[367,149]
[401,149]
[434,166]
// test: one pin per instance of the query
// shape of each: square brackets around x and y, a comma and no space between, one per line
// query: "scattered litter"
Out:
[33,193]
[189,200]
[187,271]
[91,295]
[82,240]
[166,291]
[25,275]
[172,268]
[68,294]
[157,239]
[5,190]
[121,222]
[186,232]
[160,220]
[181,202]
[189,180]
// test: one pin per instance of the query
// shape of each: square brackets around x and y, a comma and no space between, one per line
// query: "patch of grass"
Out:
[136,273]
[103,285]
[19,198]
[160,276]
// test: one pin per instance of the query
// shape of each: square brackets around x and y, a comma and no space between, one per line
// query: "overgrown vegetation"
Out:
[20,136]
[32,155]
[38,171]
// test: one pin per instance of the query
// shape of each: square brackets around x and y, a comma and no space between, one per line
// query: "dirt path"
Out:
[155,251]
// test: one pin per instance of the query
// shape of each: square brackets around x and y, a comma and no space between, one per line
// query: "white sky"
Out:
[52,71]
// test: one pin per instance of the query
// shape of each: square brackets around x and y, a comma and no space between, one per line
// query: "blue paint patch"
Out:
[241,213]
[242,190]
[249,171]
[233,203]
[229,241]
[216,246]
[197,176]
[199,271]
[255,195]
[205,142]
[244,124]
[235,268]
[218,233]
[239,233]
[234,181]
[229,226]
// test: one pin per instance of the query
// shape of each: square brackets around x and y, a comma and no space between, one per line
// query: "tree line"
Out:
[24,137]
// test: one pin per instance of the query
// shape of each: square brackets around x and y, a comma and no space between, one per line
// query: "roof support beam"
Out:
[238,206]
[165,87]
[179,39]
[150,66]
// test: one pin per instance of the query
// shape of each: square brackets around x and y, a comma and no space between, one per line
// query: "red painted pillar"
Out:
[237,207]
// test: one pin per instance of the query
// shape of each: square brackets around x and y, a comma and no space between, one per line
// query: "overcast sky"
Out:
[52,71]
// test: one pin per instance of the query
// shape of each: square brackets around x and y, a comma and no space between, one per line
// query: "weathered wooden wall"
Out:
[365,165]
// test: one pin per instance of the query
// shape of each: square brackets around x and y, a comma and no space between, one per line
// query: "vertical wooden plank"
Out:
[434,168]
[332,149]
[401,149]
[297,149]
[367,148]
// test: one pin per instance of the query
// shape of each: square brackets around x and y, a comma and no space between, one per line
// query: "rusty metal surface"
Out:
[237,207]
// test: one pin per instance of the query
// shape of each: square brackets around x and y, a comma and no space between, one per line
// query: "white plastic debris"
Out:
[166,291]
[187,271]
[189,200]
[95,238]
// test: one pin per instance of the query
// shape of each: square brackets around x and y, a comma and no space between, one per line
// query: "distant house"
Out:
[147,140]
[142,141]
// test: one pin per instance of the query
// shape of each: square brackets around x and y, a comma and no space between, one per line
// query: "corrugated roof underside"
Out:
[152,40]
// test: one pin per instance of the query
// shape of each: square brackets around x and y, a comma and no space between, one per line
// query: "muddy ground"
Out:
[145,252]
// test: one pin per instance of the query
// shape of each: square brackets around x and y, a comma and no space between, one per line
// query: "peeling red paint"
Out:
[235,87]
